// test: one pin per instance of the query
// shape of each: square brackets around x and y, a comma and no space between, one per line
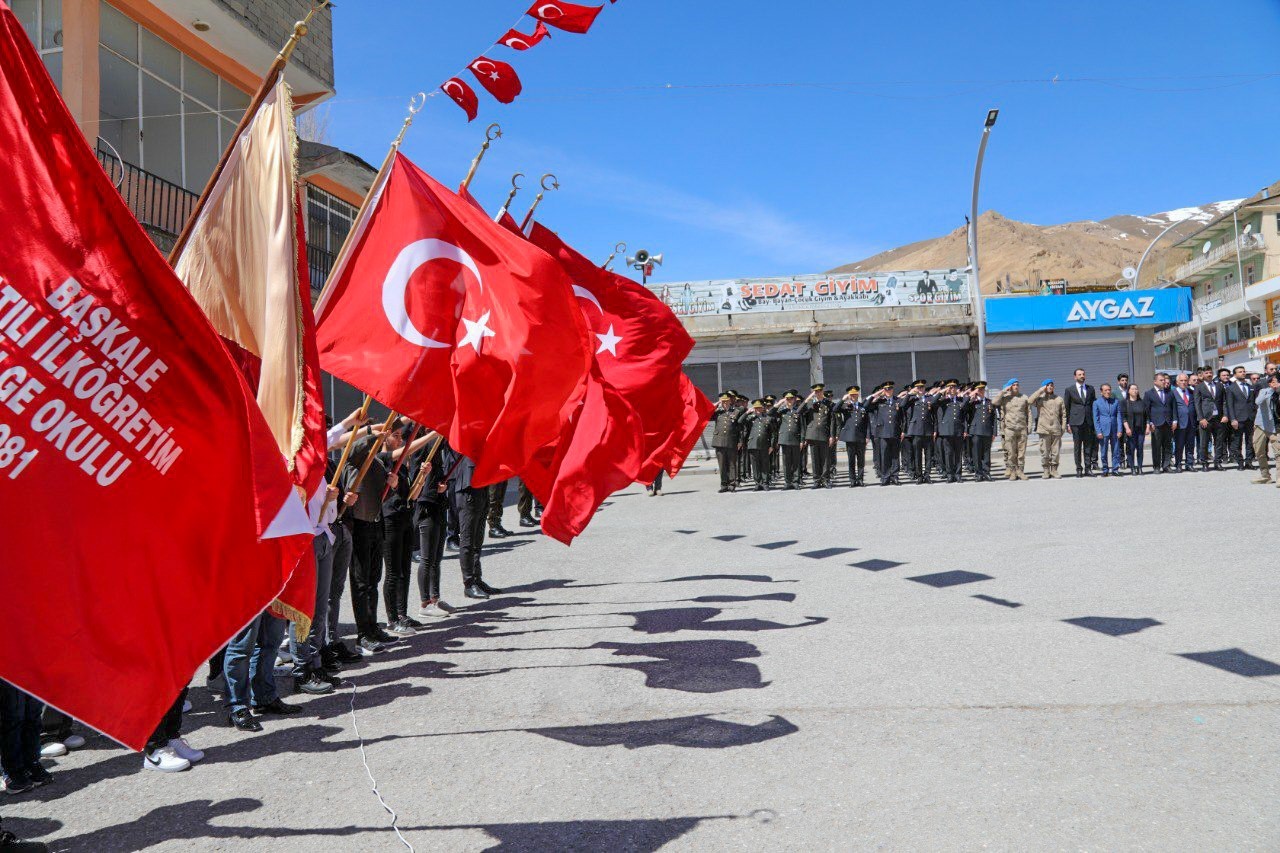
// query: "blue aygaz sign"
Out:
[1088,310]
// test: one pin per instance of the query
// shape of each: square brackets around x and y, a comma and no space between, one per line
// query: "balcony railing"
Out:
[1218,298]
[155,202]
[320,263]
[1245,243]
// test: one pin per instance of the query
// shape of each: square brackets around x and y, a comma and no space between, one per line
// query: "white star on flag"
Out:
[608,341]
[493,75]
[477,331]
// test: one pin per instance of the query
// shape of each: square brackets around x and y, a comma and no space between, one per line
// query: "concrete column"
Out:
[1144,356]
[80,88]
[815,358]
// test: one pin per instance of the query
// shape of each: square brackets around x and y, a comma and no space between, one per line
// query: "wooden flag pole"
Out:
[415,106]
[268,82]
[421,479]
[492,132]
[346,451]
[395,469]
[368,460]
[506,205]
[537,200]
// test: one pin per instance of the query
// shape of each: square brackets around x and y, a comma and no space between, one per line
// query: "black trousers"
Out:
[1242,442]
[473,506]
[1184,447]
[432,529]
[791,455]
[526,502]
[55,726]
[19,732]
[857,453]
[981,449]
[1215,435]
[889,462]
[1085,446]
[921,455]
[952,455]
[1161,447]
[366,573]
[727,460]
[820,459]
[397,560]
[497,497]
[875,456]
[170,725]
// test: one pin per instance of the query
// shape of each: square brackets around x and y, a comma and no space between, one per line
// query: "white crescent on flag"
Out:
[456,96]
[395,285]
[543,13]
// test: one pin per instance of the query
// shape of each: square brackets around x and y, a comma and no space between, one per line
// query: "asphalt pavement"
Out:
[1046,665]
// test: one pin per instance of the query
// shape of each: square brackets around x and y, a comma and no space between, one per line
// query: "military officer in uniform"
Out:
[920,429]
[873,434]
[885,410]
[853,432]
[770,403]
[951,428]
[757,429]
[981,428]
[819,415]
[790,438]
[726,438]
[1015,416]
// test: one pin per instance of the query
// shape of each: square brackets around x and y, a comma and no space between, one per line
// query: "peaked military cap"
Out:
[817,386]
[853,388]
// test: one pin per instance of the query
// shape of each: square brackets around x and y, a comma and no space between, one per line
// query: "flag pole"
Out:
[268,82]
[620,249]
[415,106]
[506,205]
[421,479]
[368,460]
[395,469]
[346,451]
[492,132]
[537,200]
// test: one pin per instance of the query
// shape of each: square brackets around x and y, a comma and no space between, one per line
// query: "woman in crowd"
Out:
[1133,410]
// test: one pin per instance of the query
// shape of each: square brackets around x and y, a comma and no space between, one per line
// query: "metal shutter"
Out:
[884,366]
[704,376]
[943,364]
[1033,365]
[780,376]
[741,376]
[839,372]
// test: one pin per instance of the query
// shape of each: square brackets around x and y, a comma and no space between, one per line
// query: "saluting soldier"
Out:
[726,438]
[790,438]
[873,433]
[770,401]
[951,428]
[853,432]
[1015,416]
[885,409]
[981,428]
[920,430]
[818,412]
[758,430]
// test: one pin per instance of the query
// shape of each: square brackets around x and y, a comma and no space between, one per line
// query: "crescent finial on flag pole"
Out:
[555,185]
[515,188]
[619,249]
[492,132]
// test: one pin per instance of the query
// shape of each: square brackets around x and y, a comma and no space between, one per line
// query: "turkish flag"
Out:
[447,317]
[517,40]
[571,17]
[462,95]
[498,78]
[137,473]
[640,347]
[697,411]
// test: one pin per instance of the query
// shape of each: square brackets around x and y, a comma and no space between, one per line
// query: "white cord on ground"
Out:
[368,772]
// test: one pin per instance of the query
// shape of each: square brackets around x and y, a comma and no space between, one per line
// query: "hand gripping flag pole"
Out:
[368,459]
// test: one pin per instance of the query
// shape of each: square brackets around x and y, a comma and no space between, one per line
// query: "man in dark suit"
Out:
[854,432]
[1161,415]
[981,427]
[1211,404]
[1184,428]
[1241,408]
[886,414]
[1079,397]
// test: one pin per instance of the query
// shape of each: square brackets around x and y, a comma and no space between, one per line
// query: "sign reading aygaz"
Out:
[1089,310]
[815,292]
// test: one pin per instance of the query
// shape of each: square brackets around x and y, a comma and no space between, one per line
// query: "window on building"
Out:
[158,108]
[42,19]
[1210,338]
[328,221]
[1248,275]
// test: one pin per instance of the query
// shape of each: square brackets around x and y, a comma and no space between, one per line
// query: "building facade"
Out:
[158,88]
[1232,266]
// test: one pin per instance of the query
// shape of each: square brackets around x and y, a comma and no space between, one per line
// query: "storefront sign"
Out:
[815,292]
[1088,310]
[1231,348]
[1264,347]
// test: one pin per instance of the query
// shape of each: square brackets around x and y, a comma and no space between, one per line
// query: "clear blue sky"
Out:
[875,149]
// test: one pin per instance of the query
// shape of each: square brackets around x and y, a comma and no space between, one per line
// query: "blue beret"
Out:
[1046,382]
[1011,382]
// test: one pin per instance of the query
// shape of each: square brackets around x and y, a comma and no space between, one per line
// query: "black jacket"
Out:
[981,417]
[1241,404]
[1160,412]
[1211,401]
[856,421]
[1079,410]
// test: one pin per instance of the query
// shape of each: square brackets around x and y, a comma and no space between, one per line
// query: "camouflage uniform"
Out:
[1016,413]
[1050,427]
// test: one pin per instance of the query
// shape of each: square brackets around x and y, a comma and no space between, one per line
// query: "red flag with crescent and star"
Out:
[462,95]
[697,411]
[498,78]
[641,347]
[570,17]
[517,40]
[447,317]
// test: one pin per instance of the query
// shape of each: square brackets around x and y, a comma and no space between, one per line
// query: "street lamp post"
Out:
[979,311]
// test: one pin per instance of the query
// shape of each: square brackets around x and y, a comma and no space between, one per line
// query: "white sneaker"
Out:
[185,750]
[186,706]
[164,760]
[53,749]
[73,742]
[433,611]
